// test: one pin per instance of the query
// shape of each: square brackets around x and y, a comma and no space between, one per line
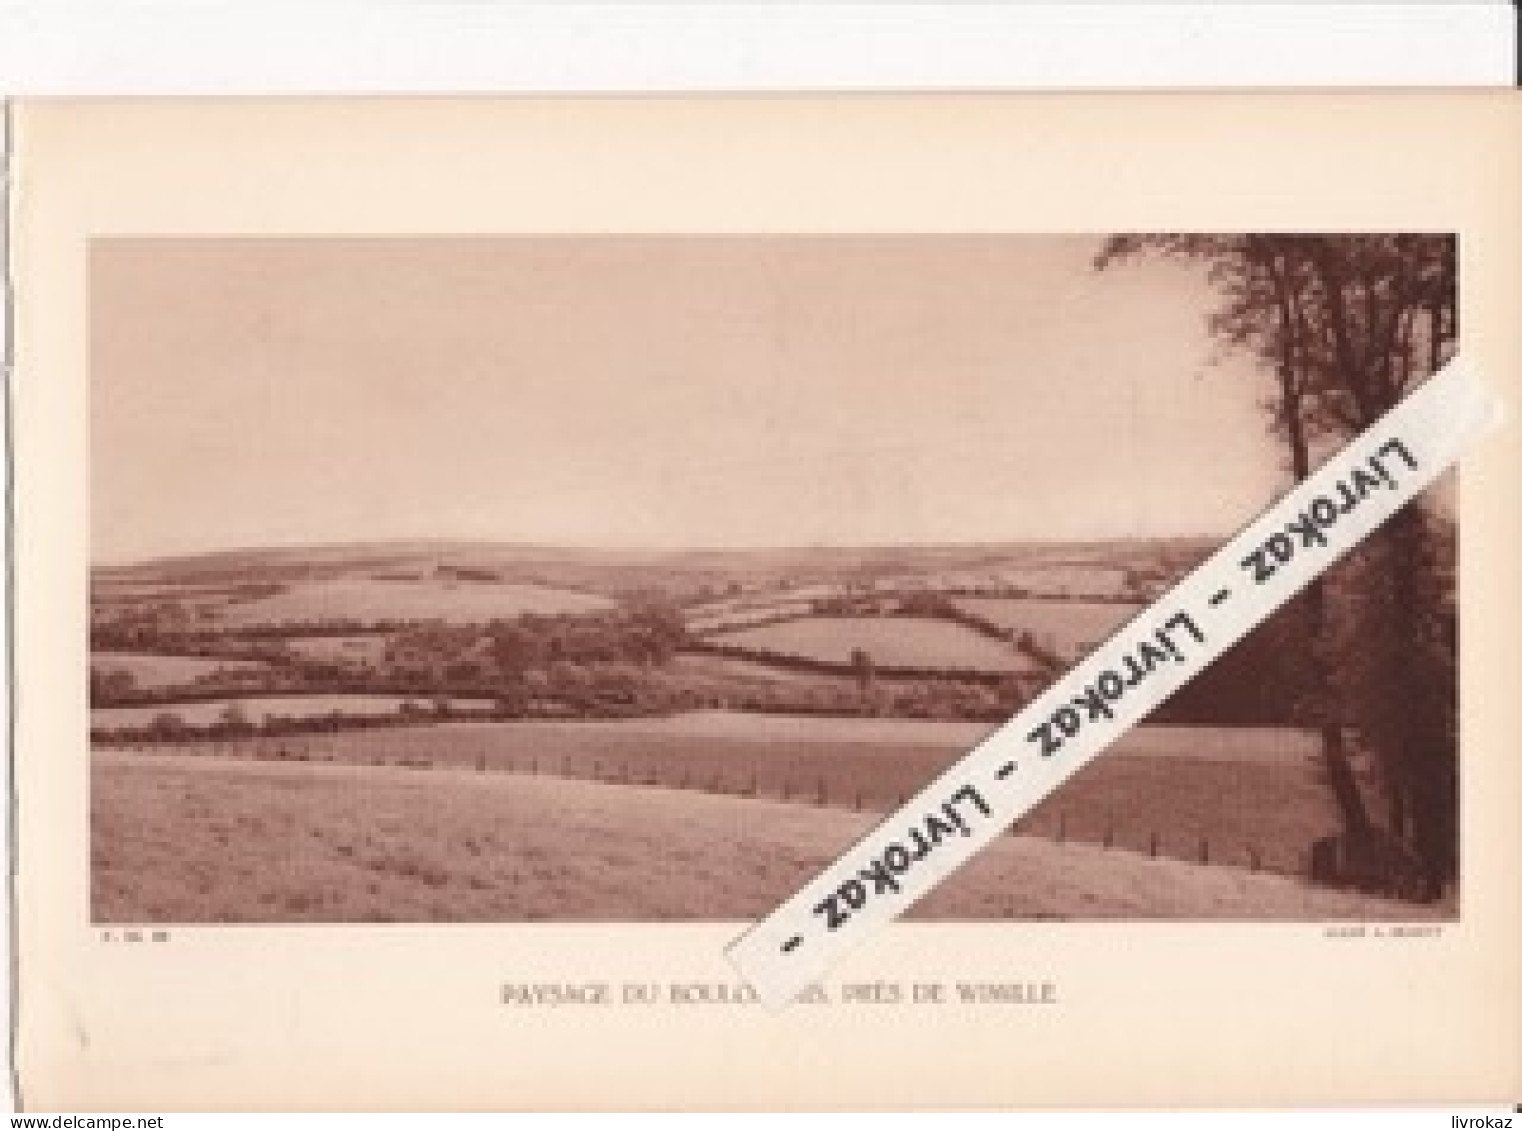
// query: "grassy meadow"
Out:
[1068,628]
[891,641]
[374,599]
[1252,797]
[183,840]
[149,670]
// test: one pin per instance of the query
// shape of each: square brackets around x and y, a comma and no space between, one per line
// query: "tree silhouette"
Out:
[1348,325]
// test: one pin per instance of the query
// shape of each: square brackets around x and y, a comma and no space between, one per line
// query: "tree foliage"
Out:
[1348,325]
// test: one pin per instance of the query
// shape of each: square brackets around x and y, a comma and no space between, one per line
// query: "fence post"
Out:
[1254,861]
[823,798]
[1109,841]
[1204,850]
[1152,844]
[787,789]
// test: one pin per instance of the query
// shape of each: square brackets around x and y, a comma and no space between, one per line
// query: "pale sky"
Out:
[659,391]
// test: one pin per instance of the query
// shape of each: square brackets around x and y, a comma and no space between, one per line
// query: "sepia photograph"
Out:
[479,562]
[633,578]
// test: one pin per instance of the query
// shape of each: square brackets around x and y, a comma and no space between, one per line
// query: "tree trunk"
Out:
[1292,377]
[1397,791]
[1421,755]
[1339,768]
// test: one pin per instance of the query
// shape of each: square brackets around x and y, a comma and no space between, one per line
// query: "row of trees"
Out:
[1347,325]
[587,663]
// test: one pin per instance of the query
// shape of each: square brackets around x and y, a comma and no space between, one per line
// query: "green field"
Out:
[922,642]
[370,599]
[364,648]
[725,673]
[1245,792]
[720,617]
[175,839]
[152,671]
[1068,628]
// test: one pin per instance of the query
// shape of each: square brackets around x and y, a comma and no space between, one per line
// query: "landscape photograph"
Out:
[516,578]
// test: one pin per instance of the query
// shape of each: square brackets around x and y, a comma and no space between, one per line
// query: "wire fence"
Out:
[1110,828]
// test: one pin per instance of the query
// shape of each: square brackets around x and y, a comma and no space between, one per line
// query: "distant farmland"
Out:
[200,714]
[154,671]
[923,642]
[246,798]
[365,648]
[729,672]
[1065,627]
[717,617]
[373,599]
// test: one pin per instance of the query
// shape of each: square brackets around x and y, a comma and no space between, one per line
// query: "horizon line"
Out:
[639,548]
